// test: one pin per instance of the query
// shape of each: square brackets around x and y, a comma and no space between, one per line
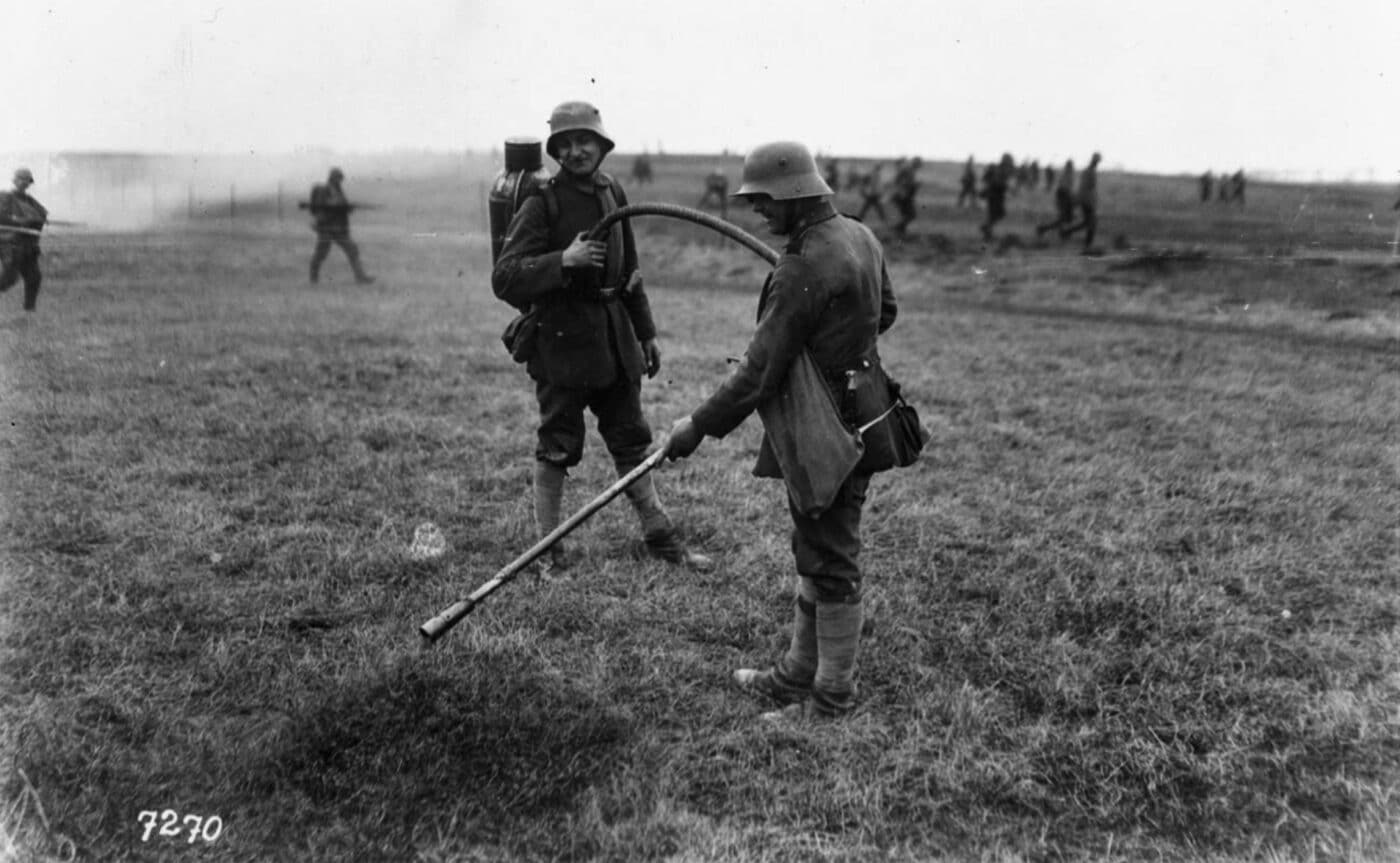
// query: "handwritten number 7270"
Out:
[172,825]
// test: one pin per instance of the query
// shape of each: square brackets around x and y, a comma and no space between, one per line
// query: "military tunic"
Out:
[828,294]
[592,321]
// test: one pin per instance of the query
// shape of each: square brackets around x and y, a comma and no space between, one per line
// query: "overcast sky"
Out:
[1161,85]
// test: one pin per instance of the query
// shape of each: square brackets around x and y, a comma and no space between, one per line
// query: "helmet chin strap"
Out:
[795,210]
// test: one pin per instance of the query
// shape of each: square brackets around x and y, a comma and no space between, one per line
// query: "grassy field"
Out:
[1138,602]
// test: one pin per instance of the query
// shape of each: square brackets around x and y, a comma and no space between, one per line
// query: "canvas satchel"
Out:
[815,449]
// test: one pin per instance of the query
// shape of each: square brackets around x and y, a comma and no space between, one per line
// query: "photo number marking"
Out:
[171,825]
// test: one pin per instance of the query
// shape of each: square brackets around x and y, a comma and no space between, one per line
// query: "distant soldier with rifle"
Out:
[330,214]
[22,220]
[593,333]
[820,313]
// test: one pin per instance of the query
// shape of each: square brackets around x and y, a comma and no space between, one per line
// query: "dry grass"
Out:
[1138,602]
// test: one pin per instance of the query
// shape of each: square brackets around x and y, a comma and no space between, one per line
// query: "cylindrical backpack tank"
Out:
[524,171]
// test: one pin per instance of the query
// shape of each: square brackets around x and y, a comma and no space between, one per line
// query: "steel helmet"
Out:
[569,116]
[24,174]
[782,170]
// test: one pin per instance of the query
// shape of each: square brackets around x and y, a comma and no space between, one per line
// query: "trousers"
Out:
[826,549]
[21,262]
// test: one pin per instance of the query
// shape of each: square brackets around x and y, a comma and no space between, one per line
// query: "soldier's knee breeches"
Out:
[826,549]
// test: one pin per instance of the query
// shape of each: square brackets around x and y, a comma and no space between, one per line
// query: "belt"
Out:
[602,295]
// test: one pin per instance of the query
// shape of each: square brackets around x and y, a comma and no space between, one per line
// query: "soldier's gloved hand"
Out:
[652,354]
[585,253]
[684,439]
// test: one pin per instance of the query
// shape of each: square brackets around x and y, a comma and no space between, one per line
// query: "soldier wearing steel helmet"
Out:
[595,335]
[829,295]
[22,218]
[330,215]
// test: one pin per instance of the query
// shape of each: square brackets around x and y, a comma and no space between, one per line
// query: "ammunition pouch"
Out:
[521,334]
[890,428]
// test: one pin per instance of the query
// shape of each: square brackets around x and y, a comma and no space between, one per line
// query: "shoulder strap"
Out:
[611,193]
[551,201]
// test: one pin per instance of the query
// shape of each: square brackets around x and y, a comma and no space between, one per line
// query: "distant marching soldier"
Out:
[996,180]
[1207,186]
[832,174]
[968,189]
[906,187]
[1088,203]
[330,214]
[641,169]
[21,220]
[1064,203]
[871,191]
[854,178]
[717,190]
[1237,186]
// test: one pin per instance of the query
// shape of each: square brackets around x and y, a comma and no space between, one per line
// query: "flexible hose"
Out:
[675,211]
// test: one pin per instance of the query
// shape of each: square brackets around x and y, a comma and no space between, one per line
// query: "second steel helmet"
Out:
[570,116]
[782,170]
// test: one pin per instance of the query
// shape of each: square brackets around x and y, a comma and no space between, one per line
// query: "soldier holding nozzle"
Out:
[828,295]
[596,336]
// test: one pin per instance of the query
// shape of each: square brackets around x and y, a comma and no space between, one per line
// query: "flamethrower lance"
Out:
[453,614]
[434,628]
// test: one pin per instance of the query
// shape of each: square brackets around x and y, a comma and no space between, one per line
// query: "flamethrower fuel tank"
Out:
[524,171]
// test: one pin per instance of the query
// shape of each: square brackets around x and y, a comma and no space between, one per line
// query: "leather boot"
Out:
[660,538]
[790,681]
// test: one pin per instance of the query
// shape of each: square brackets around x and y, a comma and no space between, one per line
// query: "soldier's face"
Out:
[777,215]
[580,152]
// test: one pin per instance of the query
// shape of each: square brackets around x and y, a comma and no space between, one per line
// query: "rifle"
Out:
[306,205]
[37,232]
